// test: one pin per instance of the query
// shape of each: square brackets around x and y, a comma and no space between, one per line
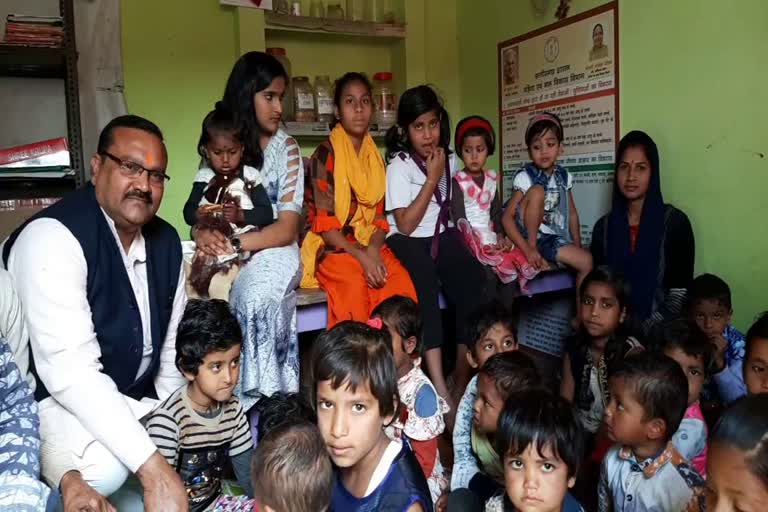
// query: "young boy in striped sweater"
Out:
[202,424]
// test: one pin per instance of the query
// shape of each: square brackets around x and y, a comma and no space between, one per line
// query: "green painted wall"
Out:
[692,77]
[177,55]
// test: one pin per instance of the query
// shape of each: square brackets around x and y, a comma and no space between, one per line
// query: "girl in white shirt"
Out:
[419,172]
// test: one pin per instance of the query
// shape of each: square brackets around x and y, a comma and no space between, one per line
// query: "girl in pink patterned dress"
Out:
[476,206]
[422,409]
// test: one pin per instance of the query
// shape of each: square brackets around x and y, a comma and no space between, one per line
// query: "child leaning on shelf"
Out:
[476,204]
[541,216]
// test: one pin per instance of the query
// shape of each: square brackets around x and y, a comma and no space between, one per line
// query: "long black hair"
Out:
[253,72]
[415,102]
[640,267]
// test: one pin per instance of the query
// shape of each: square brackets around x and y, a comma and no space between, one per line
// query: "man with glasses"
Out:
[100,277]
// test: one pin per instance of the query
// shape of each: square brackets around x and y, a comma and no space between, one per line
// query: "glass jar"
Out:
[381,11]
[385,99]
[304,97]
[317,9]
[355,10]
[387,11]
[323,99]
[288,101]
[281,6]
[335,11]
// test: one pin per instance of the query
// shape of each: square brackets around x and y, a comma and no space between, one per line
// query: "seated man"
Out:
[101,280]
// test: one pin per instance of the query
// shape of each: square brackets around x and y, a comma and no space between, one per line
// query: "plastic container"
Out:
[385,99]
[356,10]
[281,6]
[381,11]
[304,97]
[334,11]
[323,99]
[288,101]
[317,9]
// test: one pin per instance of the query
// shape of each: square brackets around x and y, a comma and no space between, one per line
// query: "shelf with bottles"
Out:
[289,23]
[322,130]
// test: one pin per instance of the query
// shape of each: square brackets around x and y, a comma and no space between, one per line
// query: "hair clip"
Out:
[376,323]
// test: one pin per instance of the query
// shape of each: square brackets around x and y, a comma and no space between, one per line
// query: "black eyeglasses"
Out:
[134,170]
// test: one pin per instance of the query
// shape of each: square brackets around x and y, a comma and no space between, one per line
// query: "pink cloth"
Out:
[699,462]
[235,504]
[507,264]
[481,239]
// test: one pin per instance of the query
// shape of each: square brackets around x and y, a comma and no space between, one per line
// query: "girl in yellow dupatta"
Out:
[344,252]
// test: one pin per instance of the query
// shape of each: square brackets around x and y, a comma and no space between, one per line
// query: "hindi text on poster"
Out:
[569,69]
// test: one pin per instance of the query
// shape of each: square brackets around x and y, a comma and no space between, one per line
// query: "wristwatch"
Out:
[236,243]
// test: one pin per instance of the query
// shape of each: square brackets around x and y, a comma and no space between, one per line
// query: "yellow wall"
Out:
[692,76]
[177,55]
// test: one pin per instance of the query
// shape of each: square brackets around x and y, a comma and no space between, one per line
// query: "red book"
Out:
[34,150]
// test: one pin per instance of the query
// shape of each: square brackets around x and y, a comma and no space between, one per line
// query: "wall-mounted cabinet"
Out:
[21,63]
[332,47]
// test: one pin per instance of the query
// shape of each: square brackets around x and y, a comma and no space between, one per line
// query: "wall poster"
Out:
[569,68]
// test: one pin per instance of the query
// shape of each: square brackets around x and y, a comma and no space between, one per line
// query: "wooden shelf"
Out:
[320,130]
[287,23]
[30,188]
[33,61]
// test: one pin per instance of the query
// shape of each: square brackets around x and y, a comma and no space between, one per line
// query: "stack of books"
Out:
[45,159]
[34,30]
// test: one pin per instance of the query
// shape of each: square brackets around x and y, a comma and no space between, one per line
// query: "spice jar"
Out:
[355,10]
[281,7]
[323,99]
[317,9]
[385,100]
[335,11]
[304,98]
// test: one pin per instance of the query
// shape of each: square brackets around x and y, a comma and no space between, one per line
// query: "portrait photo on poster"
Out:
[598,49]
[511,65]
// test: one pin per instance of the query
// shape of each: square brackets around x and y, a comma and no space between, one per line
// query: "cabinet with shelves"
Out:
[321,46]
[56,64]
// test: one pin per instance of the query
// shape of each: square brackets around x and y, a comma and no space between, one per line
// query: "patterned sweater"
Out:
[20,487]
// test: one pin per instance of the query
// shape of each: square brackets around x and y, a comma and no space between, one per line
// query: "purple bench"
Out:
[312,310]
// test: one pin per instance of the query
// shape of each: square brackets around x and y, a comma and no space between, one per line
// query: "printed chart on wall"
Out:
[569,68]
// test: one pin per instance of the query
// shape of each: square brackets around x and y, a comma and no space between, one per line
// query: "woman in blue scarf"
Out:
[650,242]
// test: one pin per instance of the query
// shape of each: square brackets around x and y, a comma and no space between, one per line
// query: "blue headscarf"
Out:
[640,268]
